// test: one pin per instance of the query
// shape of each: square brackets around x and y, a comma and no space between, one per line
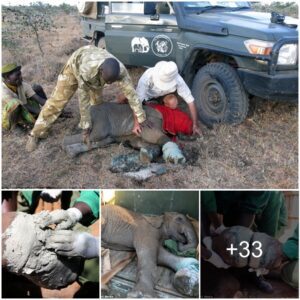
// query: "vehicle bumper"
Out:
[282,86]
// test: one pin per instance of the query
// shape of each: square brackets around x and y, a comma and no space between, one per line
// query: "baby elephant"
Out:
[122,229]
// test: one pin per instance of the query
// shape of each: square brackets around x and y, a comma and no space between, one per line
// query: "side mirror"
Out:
[154,17]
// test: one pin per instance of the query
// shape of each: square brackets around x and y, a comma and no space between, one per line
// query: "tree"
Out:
[25,21]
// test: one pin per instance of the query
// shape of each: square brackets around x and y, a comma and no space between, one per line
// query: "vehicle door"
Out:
[141,33]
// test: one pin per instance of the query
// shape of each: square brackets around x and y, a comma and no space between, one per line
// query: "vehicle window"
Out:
[127,7]
[162,8]
[191,7]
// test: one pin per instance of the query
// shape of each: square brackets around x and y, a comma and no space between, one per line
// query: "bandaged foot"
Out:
[172,153]
[25,253]
[186,279]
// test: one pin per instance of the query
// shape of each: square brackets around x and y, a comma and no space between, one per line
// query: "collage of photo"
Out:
[150,244]
[149,149]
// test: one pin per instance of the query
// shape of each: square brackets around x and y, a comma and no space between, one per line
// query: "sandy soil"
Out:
[260,153]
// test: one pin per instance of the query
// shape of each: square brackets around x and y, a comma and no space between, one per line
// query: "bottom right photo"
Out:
[249,244]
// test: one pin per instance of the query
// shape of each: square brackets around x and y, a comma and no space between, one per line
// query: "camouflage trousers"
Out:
[64,90]
[13,113]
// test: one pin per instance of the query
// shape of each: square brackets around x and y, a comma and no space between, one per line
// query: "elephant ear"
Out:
[155,221]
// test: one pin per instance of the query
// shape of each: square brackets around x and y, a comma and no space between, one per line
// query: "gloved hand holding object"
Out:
[172,153]
[65,219]
[70,243]
[25,253]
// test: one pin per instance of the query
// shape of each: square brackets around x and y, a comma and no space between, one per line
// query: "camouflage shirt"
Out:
[24,92]
[85,63]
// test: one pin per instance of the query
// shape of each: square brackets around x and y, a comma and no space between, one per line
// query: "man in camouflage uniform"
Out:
[21,103]
[88,70]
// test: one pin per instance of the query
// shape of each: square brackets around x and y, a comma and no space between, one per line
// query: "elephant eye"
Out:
[179,219]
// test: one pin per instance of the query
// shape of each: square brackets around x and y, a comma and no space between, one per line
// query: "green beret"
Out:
[9,68]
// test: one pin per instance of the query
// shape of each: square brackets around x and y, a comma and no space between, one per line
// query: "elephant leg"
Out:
[146,251]
[186,279]
[74,145]
[167,259]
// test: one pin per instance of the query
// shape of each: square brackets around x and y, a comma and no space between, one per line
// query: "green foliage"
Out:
[285,8]
[67,9]
[19,22]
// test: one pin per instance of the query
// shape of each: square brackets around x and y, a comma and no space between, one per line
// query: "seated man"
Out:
[166,121]
[21,103]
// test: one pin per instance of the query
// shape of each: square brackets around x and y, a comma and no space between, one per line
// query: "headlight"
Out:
[288,54]
[259,47]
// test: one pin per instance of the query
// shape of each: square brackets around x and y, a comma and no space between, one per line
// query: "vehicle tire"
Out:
[219,95]
[84,7]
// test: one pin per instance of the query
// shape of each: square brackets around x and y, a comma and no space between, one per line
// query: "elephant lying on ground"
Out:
[122,229]
[114,122]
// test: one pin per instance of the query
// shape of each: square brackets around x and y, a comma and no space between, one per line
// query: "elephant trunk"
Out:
[191,239]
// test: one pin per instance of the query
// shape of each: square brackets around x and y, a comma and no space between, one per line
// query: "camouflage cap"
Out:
[9,68]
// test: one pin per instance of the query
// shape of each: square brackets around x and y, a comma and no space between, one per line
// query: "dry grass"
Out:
[260,153]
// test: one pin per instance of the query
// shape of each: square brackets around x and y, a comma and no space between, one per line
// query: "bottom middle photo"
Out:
[149,244]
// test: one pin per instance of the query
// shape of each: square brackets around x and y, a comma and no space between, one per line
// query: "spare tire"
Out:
[84,7]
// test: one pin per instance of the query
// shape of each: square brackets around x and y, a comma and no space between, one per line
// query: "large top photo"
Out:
[150,95]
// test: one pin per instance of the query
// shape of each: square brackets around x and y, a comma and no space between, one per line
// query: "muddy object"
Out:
[25,253]
[134,161]
[153,170]
[186,282]
[126,163]
[234,236]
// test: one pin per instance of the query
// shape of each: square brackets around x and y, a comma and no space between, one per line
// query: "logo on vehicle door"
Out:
[139,45]
[161,45]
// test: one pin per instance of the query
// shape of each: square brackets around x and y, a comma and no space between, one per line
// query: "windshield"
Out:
[192,7]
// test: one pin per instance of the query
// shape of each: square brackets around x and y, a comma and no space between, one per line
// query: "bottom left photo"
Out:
[50,244]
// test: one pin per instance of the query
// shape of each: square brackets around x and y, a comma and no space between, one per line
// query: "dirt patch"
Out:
[260,153]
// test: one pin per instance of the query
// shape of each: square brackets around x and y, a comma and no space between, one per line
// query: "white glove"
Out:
[70,243]
[215,259]
[172,153]
[50,195]
[65,219]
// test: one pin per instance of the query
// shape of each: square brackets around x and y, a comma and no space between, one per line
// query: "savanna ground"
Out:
[260,153]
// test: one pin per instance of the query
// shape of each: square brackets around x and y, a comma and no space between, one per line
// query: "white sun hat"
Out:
[164,75]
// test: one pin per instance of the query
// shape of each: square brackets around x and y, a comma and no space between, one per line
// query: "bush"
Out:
[284,8]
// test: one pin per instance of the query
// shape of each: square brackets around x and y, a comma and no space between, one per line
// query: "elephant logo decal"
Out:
[162,45]
[139,45]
